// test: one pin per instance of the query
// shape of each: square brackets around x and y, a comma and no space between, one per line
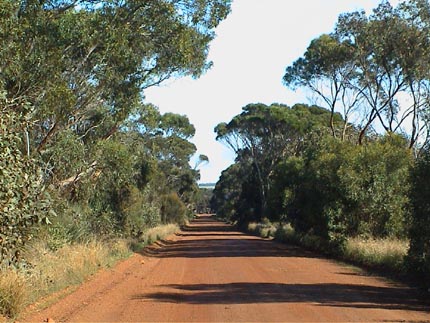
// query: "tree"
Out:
[261,136]
[83,65]
[73,75]
[374,67]
[326,68]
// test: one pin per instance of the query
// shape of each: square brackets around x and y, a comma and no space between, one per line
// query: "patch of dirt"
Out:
[211,273]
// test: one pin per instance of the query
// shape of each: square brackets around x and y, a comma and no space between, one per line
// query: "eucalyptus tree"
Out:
[326,68]
[164,139]
[262,136]
[72,72]
[379,63]
[83,65]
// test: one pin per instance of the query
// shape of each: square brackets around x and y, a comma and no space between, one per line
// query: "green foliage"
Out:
[236,196]
[376,182]
[139,212]
[203,199]
[361,68]
[328,189]
[419,252]
[173,210]
[23,199]
[262,136]
[73,75]
[340,189]
[64,156]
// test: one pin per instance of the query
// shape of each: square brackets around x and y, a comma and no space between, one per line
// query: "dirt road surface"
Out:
[210,273]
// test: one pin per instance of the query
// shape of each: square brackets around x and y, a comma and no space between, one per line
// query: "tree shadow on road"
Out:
[225,246]
[207,238]
[336,295]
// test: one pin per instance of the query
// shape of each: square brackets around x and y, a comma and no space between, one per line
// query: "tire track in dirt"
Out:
[210,273]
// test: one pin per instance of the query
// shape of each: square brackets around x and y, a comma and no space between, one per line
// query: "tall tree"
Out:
[83,65]
[379,63]
[326,68]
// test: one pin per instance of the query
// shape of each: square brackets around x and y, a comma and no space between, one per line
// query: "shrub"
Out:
[265,229]
[23,200]
[286,233]
[158,233]
[419,252]
[138,212]
[339,189]
[173,210]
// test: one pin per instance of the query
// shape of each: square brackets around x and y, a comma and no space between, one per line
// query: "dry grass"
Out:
[384,253]
[158,233]
[387,254]
[69,265]
[264,229]
[13,293]
[51,271]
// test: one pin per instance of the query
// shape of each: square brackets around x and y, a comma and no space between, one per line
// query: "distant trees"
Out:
[262,136]
[321,185]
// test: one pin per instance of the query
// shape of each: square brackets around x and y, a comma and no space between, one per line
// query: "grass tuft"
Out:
[157,233]
[266,229]
[13,293]
[381,253]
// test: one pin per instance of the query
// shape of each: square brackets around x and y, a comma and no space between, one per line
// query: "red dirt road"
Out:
[210,273]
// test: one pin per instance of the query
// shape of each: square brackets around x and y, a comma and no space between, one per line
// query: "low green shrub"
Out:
[173,210]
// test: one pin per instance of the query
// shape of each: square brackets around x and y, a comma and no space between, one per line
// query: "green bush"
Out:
[375,181]
[138,212]
[23,199]
[340,189]
[173,210]
[419,251]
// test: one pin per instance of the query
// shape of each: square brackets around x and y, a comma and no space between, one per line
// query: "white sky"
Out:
[254,45]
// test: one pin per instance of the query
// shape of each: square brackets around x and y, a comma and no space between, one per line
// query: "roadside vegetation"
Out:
[49,270]
[386,255]
[349,175]
[88,169]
